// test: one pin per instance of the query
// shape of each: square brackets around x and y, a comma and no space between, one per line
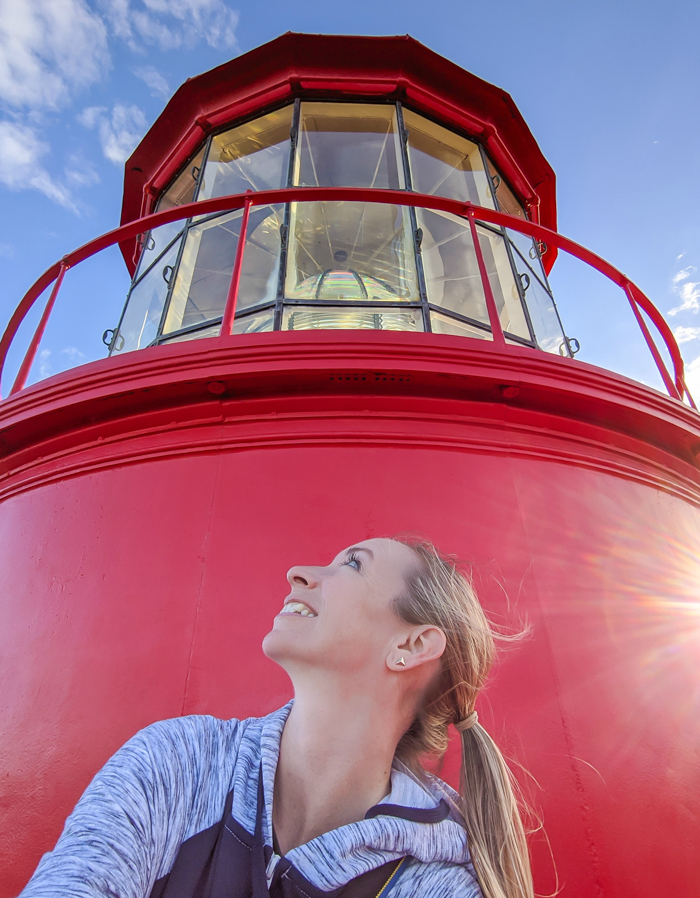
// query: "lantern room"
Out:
[367,263]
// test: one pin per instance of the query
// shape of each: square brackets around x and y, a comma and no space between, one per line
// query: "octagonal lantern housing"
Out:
[374,265]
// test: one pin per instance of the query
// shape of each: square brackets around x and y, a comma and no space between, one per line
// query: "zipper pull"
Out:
[274,860]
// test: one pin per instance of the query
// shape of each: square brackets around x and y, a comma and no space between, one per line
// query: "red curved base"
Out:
[146,522]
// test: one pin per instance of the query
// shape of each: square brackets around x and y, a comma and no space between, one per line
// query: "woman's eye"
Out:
[354,561]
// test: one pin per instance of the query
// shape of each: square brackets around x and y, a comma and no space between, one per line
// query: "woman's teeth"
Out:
[297,608]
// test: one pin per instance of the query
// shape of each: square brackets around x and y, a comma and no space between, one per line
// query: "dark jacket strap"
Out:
[374,883]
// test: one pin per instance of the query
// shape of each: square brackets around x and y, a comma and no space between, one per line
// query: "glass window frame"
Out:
[135,284]
[204,149]
[544,283]
[280,303]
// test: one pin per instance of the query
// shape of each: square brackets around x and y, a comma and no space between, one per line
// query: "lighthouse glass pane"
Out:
[451,270]
[301,318]
[503,286]
[253,156]
[452,276]
[348,145]
[144,307]
[445,324]
[445,164]
[211,331]
[528,250]
[350,252]
[182,189]
[507,200]
[206,266]
[180,192]
[545,319]
[541,308]
[255,322]
[252,323]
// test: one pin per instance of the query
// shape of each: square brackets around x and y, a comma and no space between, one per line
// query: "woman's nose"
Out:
[302,576]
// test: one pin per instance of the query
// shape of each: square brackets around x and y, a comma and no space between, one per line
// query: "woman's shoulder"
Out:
[438,880]
[195,733]
[181,740]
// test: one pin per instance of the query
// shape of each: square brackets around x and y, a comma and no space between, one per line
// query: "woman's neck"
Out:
[335,762]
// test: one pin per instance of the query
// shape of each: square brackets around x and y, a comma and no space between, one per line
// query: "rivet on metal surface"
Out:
[509,391]
[216,387]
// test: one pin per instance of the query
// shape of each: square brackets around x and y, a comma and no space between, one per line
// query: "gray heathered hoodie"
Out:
[170,782]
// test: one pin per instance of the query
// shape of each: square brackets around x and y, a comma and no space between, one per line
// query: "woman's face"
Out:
[340,617]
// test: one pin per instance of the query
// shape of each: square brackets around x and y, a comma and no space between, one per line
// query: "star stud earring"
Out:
[401,662]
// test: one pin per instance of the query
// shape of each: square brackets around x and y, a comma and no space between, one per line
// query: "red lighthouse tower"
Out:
[339,326]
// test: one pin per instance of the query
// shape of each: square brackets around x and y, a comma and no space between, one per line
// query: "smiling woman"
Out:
[386,647]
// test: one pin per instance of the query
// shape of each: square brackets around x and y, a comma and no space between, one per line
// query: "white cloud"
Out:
[21,151]
[90,117]
[75,355]
[48,48]
[119,132]
[170,24]
[686,334]
[689,291]
[7,250]
[683,274]
[45,366]
[81,172]
[52,363]
[153,79]
[692,378]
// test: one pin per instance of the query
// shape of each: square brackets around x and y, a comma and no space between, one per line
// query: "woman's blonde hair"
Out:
[439,593]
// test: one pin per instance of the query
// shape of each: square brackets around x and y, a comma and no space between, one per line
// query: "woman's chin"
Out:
[277,645]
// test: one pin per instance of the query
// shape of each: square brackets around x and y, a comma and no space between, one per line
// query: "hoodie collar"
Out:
[416,819]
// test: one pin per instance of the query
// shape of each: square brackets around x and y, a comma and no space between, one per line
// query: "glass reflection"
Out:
[180,192]
[144,307]
[452,276]
[541,308]
[255,322]
[254,156]
[528,250]
[545,319]
[213,331]
[445,164]
[503,286]
[507,200]
[351,251]
[252,323]
[299,318]
[348,145]
[204,275]
[444,324]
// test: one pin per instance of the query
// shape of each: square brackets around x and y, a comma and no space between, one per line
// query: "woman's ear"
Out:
[423,645]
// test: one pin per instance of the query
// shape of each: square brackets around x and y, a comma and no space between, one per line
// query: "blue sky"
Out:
[609,89]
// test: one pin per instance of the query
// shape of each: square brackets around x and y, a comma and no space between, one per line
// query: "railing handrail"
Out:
[676,387]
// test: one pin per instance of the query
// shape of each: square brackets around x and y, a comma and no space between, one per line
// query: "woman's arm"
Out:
[166,783]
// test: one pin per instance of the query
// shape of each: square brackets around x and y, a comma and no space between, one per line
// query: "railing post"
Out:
[231,299]
[672,388]
[28,359]
[496,329]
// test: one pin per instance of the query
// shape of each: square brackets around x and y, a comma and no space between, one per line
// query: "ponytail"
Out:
[495,829]
[438,593]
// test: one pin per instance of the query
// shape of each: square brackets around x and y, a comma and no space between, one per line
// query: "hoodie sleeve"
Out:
[166,783]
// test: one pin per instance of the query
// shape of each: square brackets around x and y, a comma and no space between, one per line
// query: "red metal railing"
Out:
[675,382]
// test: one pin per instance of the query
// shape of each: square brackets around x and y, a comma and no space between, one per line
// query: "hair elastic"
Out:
[467,723]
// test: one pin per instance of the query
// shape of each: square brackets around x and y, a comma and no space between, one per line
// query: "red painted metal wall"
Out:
[147,522]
